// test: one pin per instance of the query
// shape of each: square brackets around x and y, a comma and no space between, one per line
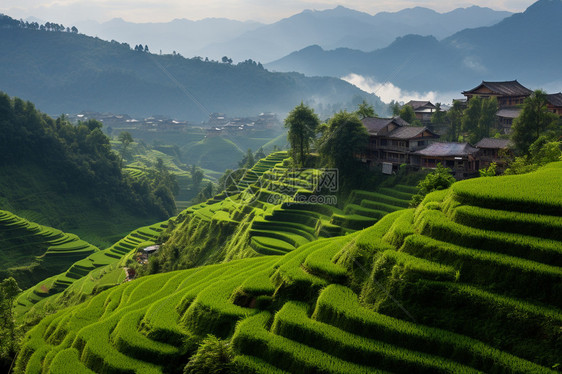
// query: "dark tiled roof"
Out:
[509,112]
[374,124]
[554,99]
[408,132]
[508,88]
[418,104]
[493,143]
[447,150]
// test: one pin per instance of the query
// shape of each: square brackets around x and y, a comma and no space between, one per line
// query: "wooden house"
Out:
[423,109]
[508,93]
[493,150]
[461,158]
[554,103]
[505,118]
[392,140]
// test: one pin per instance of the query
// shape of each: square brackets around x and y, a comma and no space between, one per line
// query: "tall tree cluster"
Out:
[339,141]
[302,123]
[80,157]
[479,118]
[534,120]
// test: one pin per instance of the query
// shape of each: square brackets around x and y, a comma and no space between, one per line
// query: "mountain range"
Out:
[181,35]
[523,46]
[332,28]
[64,72]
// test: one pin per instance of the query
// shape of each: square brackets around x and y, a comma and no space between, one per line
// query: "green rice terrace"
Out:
[469,281]
[264,214]
[31,252]
[94,272]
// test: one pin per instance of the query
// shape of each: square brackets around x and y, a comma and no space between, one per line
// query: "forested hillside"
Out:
[66,176]
[65,72]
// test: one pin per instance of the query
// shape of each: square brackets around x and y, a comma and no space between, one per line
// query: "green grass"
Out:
[544,226]
[292,322]
[415,292]
[534,192]
[339,306]
[435,224]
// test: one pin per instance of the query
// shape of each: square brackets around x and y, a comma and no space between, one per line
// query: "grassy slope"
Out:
[265,219]
[32,252]
[454,308]
[35,194]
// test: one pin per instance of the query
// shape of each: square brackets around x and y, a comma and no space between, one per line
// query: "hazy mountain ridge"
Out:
[181,35]
[333,28]
[66,73]
[346,28]
[519,47]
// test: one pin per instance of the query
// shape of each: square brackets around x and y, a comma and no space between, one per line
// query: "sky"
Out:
[266,11]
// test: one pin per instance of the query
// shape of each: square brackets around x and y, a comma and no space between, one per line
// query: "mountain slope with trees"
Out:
[66,176]
[65,72]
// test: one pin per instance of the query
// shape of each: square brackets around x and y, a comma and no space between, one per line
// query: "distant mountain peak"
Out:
[544,5]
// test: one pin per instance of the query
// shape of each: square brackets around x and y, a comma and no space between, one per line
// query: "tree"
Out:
[226,60]
[259,154]
[205,193]
[302,123]
[543,151]
[490,171]
[146,48]
[9,289]
[395,108]
[344,138]
[488,117]
[407,114]
[479,117]
[439,117]
[439,179]
[74,30]
[247,161]
[196,176]
[125,138]
[533,120]
[365,110]
[454,115]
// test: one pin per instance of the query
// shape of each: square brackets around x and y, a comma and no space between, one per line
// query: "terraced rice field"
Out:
[420,291]
[31,252]
[271,193]
[96,271]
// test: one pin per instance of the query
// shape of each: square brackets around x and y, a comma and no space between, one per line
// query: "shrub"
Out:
[214,356]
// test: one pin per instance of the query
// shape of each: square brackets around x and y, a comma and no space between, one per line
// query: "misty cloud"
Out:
[388,91]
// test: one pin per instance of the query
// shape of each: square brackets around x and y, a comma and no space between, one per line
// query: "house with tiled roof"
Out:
[554,103]
[392,140]
[423,110]
[494,150]
[461,158]
[508,93]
